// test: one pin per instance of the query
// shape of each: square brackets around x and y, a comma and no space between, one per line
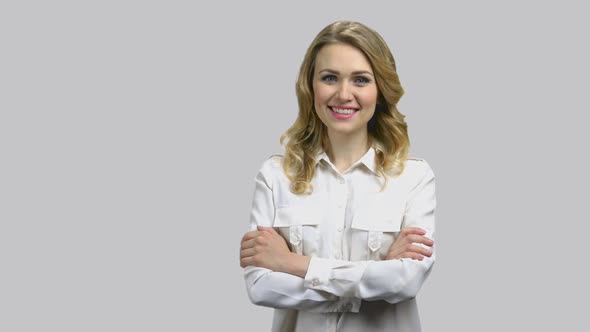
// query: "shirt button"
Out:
[315,282]
[339,228]
[347,307]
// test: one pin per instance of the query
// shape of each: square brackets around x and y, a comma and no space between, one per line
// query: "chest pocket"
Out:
[299,225]
[374,228]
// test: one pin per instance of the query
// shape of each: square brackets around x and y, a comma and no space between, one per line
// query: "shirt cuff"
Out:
[318,277]
[318,274]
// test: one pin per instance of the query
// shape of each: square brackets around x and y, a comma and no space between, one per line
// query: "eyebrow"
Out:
[358,72]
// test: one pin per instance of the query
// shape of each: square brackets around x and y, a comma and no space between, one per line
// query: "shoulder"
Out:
[417,168]
[270,168]
[272,163]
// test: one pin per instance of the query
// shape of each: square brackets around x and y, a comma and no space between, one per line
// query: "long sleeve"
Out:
[281,290]
[390,280]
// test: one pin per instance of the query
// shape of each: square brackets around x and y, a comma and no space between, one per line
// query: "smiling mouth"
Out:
[343,110]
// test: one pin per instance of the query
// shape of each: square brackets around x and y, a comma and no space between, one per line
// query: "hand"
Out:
[264,248]
[404,245]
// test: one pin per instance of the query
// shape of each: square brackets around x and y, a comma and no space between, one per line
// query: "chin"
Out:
[344,129]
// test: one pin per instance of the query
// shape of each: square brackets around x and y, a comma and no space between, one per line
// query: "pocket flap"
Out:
[298,215]
[376,224]
[378,214]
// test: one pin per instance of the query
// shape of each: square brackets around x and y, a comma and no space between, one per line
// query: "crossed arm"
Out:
[278,278]
[265,248]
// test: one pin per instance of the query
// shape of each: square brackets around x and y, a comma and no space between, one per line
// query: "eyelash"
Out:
[364,82]
[325,78]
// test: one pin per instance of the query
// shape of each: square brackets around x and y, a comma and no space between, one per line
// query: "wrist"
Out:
[296,264]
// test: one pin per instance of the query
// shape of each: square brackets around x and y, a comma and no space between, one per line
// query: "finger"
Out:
[263,228]
[420,250]
[407,254]
[413,238]
[248,244]
[392,255]
[247,252]
[246,261]
[412,255]
[267,229]
[413,230]
[250,235]
[261,240]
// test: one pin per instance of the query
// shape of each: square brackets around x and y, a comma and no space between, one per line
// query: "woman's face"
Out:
[344,89]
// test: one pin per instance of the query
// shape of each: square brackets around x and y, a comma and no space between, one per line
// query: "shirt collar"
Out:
[368,159]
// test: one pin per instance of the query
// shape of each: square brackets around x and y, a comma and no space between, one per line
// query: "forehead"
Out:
[342,57]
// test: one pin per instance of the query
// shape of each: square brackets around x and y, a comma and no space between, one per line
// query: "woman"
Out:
[341,226]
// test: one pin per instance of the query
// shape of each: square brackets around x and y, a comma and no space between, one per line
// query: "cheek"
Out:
[316,98]
[315,94]
[369,100]
[319,101]
[370,97]
[320,94]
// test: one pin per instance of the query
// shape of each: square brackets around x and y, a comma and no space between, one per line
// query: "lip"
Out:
[343,106]
[343,116]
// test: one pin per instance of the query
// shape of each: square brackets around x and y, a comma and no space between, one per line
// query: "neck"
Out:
[345,150]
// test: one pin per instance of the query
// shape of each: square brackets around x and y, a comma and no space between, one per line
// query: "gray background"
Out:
[131,132]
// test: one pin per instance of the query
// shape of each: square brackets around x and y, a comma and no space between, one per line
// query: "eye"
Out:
[362,80]
[329,78]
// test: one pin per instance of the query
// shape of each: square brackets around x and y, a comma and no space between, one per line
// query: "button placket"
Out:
[343,193]
[341,200]
[346,307]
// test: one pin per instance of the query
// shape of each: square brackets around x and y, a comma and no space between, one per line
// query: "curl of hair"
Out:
[308,135]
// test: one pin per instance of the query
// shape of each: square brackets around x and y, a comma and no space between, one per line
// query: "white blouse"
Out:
[346,226]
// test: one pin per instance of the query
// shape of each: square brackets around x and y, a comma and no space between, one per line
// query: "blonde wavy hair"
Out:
[387,129]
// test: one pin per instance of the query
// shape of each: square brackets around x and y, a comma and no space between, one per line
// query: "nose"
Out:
[344,92]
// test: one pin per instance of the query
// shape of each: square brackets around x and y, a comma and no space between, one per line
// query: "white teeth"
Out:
[343,110]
